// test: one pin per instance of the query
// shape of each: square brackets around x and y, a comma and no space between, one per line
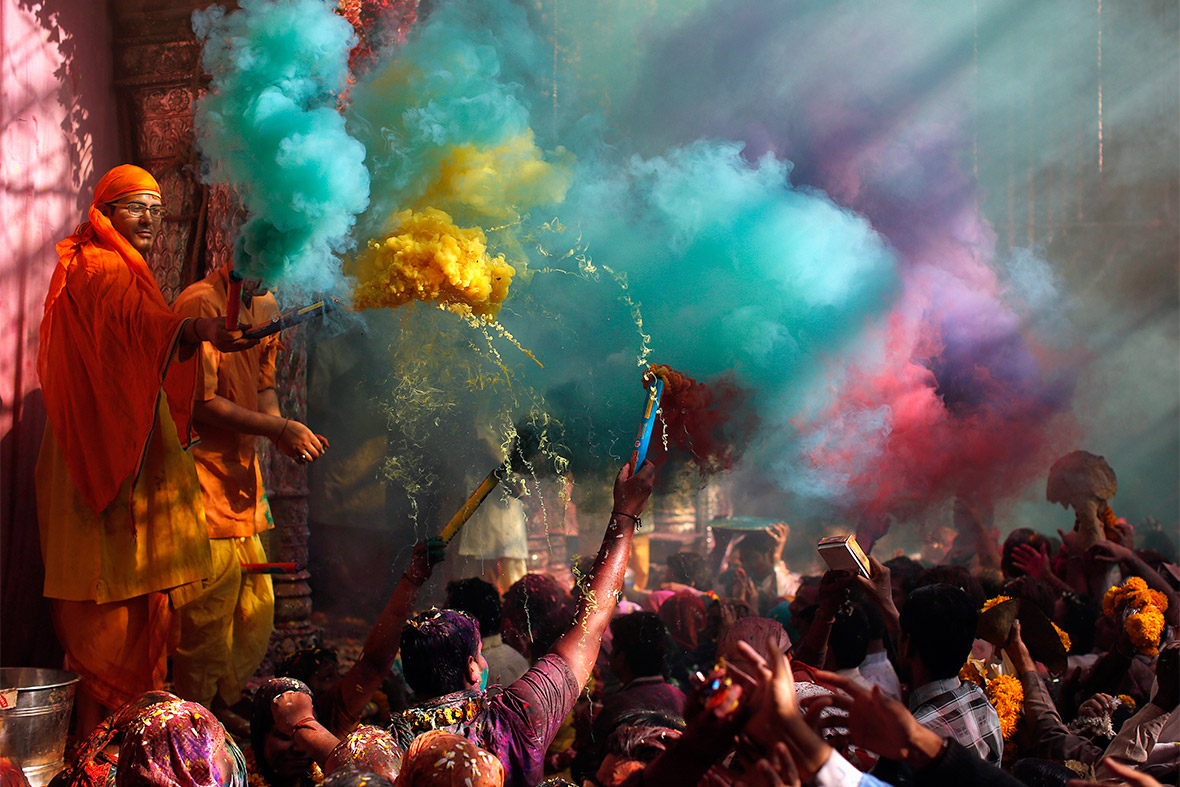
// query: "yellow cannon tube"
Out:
[464,513]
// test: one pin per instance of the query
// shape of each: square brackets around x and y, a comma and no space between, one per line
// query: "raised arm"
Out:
[360,683]
[578,647]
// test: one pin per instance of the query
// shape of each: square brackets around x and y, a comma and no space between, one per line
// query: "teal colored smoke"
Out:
[733,270]
[730,267]
[445,86]
[269,129]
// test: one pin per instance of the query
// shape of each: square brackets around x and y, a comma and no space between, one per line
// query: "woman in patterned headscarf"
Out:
[94,763]
[444,759]
[178,744]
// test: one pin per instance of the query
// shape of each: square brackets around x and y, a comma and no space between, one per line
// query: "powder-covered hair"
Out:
[436,646]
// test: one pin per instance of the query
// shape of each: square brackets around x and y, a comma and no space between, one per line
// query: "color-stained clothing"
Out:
[93,765]
[959,709]
[225,630]
[119,508]
[442,759]
[118,649]
[151,538]
[107,343]
[516,725]
[227,466]
[179,744]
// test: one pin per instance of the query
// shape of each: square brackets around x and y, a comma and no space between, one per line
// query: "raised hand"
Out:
[632,490]
[875,721]
[427,555]
[1032,561]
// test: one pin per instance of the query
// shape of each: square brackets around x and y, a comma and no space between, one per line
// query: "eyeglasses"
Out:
[136,209]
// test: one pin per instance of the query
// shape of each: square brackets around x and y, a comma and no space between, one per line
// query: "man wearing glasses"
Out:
[122,522]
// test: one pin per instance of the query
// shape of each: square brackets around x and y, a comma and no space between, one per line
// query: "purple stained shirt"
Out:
[519,722]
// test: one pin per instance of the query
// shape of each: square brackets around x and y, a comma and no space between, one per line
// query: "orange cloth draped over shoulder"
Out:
[106,346]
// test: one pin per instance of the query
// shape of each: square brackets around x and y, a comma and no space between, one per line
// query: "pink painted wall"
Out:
[58,134]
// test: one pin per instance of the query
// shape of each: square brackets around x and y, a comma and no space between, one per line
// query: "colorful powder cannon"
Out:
[233,302]
[292,318]
[650,410]
[524,447]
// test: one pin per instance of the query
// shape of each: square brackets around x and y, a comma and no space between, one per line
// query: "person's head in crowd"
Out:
[442,653]
[1025,536]
[639,646]
[685,615]
[688,568]
[1160,565]
[1151,535]
[91,766]
[848,643]
[443,759]
[1031,589]
[630,747]
[480,600]
[957,576]
[754,550]
[178,744]
[1035,772]
[764,635]
[354,777]
[280,758]
[536,612]
[319,668]
[369,751]
[806,595]
[937,631]
[903,577]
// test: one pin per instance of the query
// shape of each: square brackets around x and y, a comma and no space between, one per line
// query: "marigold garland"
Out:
[1006,694]
[1063,635]
[993,602]
[1141,610]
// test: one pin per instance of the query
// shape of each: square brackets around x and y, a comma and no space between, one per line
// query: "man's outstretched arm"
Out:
[578,647]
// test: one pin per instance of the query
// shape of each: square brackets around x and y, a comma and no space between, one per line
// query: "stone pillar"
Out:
[157,79]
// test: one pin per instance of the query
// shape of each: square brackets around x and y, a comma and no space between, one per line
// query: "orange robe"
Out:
[119,508]
[224,633]
[235,504]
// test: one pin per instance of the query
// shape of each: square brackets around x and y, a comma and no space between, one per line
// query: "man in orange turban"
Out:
[122,522]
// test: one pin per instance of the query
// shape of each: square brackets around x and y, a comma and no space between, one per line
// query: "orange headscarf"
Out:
[106,345]
[443,759]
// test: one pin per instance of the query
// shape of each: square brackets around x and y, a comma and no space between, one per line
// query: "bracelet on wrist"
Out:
[306,723]
[283,431]
[637,520]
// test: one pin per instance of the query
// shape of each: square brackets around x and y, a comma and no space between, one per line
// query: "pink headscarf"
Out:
[178,744]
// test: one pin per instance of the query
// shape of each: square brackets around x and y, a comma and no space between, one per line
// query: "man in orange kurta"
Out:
[122,525]
[224,633]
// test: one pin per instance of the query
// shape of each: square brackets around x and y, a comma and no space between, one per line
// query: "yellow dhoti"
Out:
[224,633]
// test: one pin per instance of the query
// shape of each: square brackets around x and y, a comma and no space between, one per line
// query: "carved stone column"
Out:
[157,79]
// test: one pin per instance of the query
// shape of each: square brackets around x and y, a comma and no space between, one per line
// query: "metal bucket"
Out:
[33,729]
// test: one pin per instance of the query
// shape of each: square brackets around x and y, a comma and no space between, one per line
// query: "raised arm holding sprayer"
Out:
[524,447]
[650,411]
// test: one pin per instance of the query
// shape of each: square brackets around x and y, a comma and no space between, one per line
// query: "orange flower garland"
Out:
[1142,612]
[1006,694]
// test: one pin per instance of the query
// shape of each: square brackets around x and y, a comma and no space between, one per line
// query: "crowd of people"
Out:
[1031,661]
